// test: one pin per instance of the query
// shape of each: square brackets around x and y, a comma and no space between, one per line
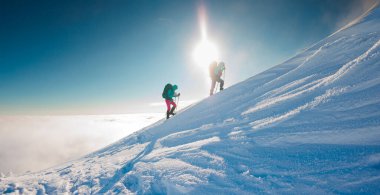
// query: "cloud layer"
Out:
[31,143]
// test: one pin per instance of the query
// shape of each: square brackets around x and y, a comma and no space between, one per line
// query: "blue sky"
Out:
[100,57]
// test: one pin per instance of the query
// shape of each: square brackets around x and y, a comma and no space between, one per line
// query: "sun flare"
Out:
[204,53]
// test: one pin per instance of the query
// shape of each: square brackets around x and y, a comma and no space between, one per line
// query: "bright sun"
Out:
[205,53]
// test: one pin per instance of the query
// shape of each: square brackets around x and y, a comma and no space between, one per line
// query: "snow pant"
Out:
[168,103]
[168,110]
[213,82]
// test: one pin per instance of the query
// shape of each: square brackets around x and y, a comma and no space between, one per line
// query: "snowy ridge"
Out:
[310,125]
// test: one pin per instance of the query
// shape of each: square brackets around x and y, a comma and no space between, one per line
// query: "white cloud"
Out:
[31,143]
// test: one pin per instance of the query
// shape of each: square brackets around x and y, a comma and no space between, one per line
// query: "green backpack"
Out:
[166,89]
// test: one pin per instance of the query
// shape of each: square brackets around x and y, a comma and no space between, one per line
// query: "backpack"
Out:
[212,69]
[166,89]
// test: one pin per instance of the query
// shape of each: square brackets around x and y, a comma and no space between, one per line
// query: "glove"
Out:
[179,94]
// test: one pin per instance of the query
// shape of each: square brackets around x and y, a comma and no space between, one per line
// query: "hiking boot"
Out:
[172,111]
[167,114]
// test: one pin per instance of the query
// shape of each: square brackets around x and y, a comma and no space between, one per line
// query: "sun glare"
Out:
[204,53]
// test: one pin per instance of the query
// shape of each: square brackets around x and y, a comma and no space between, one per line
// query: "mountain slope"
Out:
[310,125]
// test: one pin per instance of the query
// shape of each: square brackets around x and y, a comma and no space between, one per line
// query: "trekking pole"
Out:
[177,103]
[216,87]
[224,78]
[224,75]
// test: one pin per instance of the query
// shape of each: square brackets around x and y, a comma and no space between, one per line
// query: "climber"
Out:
[216,71]
[168,94]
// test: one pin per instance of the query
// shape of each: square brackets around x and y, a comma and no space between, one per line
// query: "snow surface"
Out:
[308,126]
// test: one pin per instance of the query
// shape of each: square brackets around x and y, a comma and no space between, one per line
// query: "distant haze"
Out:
[31,143]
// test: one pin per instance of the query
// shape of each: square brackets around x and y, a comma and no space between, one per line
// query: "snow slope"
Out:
[310,125]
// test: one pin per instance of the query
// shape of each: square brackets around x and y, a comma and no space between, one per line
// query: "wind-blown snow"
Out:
[310,125]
